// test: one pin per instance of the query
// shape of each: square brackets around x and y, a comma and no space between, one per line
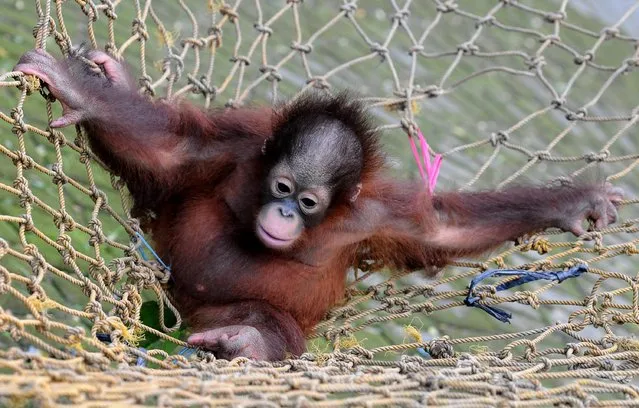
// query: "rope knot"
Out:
[440,348]
[85,157]
[55,136]
[587,57]
[139,29]
[22,159]
[319,82]
[426,308]
[535,62]
[69,254]
[19,126]
[498,138]
[173,64]
[571,349]
[505,355]
[349,8]
[97,194]
[63,218]
[215,33]
[232,103]
[264,30]
[542,155]
[578,115]
[305,48]
[401,303]
[381,291]
[380,50]
[597,157]
[468,48]
[109,11]
[610,32]
[38,265]
[58,175]
[90,10]
[467,360]
[530,298]
[333,333]
[146,83]
[232,15]
[241,59]
[447,7]
[273,72]
[142,275]
[5,278]
[631,63]
[550,38]
[362,352]
[97,235]
[400,15]
[486,21]
[432,91]
[344,312]
[541,245]
[26,196]
[195,42]
[427,290]
[415,49]
[551,17]
[630,249]
[201,86]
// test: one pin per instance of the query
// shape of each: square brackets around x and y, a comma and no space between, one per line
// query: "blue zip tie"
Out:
[187,351]
[148,246]
[524,277]
[141,361]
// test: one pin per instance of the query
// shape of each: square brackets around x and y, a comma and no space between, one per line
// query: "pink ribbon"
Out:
[429,170]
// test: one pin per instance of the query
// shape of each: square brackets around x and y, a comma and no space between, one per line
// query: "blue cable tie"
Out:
[141,361]
[187,351]
[524,277]
[150,248]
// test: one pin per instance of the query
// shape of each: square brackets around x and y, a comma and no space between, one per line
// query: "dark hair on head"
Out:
[309,108]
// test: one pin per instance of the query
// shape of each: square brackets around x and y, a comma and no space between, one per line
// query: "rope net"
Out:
[507,91]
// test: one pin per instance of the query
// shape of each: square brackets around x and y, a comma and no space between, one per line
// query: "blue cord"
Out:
[141,361]
[187,351]
[524,277]
[148,246]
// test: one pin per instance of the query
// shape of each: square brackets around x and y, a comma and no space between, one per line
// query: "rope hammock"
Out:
[505,91]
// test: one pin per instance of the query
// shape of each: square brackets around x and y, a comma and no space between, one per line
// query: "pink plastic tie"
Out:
[429,171]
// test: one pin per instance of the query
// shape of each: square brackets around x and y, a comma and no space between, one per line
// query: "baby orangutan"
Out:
[260,212]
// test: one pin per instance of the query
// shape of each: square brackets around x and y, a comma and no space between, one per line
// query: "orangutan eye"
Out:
[308,203]
[282,187]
